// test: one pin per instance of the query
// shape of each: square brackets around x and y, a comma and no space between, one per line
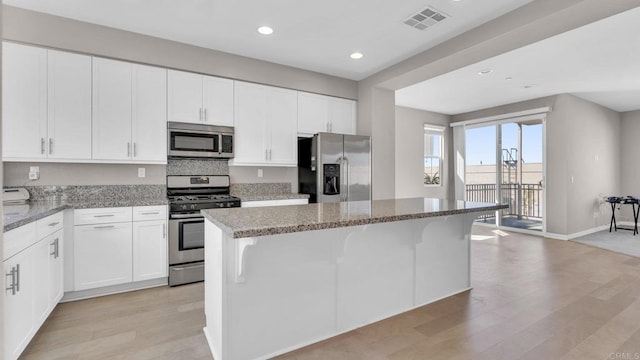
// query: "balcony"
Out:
[525,204]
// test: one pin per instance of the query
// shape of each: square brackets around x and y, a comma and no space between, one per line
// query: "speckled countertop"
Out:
[265,191]
[18,215]
[249,222]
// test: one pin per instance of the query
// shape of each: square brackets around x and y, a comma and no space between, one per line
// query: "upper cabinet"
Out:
[46,104]
[200,99]
[265,126]
[129,112]
[319,113]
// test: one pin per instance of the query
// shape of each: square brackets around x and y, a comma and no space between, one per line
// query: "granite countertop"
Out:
[260,221]
[19,215]
[265,197]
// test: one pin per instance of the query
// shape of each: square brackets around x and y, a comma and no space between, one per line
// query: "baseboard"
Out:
[114,289]
[580,233]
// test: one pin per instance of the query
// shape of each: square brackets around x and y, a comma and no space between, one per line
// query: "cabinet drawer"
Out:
[142,213]
[102,216]
[19,239]
[50,224]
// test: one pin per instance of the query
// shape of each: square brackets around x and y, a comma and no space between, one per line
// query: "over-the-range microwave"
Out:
[199,141]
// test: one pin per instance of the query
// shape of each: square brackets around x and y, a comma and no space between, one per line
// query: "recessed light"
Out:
[485,72]
[529,86]
[265,30]
[508,78]
[356,55]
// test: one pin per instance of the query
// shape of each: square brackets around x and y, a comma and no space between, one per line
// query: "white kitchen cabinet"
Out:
[46,104]
[149,249]
[102,255]
[69,106]
[33,273]
[320,113]
[19,315]
[129,112]
[265,126]
[149,122]
[200,99]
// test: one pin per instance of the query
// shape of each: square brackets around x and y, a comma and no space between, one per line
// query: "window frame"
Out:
[433,130]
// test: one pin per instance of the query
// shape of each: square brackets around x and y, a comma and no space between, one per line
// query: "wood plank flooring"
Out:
[532,298]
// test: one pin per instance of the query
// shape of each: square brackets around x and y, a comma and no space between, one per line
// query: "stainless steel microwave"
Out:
[199,141]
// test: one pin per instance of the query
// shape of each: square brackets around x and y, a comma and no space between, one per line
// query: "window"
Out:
[433,154]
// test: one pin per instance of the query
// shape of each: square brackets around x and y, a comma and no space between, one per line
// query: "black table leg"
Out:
[636,213]
[613,217]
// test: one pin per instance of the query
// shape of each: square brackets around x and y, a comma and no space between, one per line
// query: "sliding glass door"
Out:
[504,163]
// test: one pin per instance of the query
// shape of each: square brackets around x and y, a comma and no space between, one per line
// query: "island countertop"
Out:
[272,220]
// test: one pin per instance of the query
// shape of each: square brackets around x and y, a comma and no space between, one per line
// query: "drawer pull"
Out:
[105,215]
[56,249]
[54,223]
[14,274]
[104,227]
[150,213]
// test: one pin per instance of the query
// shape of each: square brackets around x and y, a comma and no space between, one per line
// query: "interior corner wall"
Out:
[376,117]
[2,282]
[629,150]
[409,153]
[592,162]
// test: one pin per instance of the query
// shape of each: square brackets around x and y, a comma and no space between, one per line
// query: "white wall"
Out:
[409,148]
[2,282]
[629,150]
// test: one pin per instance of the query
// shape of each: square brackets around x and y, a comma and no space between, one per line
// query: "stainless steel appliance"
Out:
[335,167]
[199,141]
[187,196]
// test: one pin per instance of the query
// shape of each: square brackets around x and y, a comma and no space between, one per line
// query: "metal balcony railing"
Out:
[531,203]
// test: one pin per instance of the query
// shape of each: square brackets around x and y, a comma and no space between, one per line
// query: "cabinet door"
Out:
[185,97]
[102,255]
[313,113]
[342,114]
[24,101]
[282,125]
[55,271]
[149,250]
[250,125]
[149,126]
[19,321]
[217,101]
[41,286]
[69,106]
[111,109]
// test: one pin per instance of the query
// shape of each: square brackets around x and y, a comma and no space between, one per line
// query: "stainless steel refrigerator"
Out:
[335,167]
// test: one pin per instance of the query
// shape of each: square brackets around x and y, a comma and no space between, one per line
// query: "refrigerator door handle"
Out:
[347,180]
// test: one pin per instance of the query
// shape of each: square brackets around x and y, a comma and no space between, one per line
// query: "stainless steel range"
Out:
[187,196]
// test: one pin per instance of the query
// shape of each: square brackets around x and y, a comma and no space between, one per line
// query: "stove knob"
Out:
[193,206]
[183,207]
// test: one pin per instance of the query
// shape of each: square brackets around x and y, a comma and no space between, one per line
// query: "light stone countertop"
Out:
[19,215]
[271,220]
[266,197]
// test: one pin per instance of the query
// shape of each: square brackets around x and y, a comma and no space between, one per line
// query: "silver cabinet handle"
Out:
[135,151]
[200,118]
[266,154]
[104,227]
[270,155]
[56,251]
[54,223]
[150,213]
[41,145]
[164,231]
[50,146]
[15,279]
[128,149]
[104,215]
[205,115]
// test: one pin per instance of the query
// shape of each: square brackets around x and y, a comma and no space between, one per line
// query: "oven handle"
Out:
[185,216]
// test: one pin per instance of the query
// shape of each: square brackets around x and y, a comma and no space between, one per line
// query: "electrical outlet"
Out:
[34,172]
[260,173]
[141,172]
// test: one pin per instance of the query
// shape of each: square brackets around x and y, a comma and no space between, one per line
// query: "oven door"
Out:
[193,144]
[186,238]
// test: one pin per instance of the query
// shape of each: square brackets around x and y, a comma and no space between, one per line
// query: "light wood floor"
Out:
[533,298]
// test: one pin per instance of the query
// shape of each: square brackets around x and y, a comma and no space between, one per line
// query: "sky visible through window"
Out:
[480,143]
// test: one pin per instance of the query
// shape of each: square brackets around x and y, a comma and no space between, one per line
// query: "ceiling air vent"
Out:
[425,18]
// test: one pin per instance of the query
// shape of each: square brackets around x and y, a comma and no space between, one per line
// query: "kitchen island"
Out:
[279,278]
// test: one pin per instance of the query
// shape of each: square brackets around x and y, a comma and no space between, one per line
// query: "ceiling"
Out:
[599,62]
[312,35]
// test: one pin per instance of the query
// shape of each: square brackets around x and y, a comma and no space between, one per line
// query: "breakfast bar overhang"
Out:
[279,278]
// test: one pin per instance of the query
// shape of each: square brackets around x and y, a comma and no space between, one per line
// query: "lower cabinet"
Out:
[103,255]
[33,280]
[261,203]
[149,250]
[115,246]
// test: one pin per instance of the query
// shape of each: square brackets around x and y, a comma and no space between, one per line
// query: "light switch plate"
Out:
[260,173]
[34,172]
[141,172]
